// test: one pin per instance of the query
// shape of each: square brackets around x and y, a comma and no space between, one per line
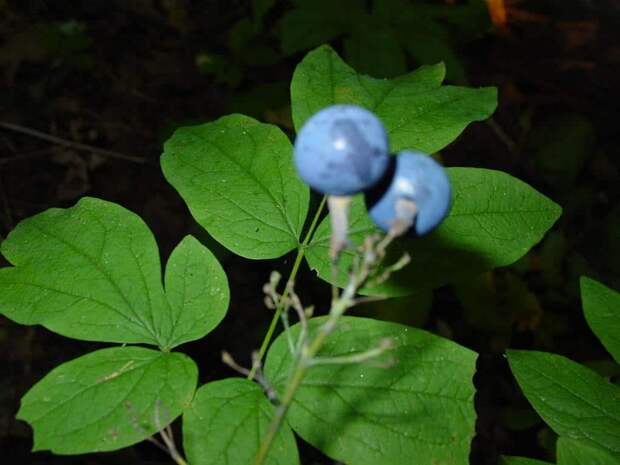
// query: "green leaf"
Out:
[93,272]
[574,452]
[423,31]
[197,290]
[375,52]
[495,219]
[572,399]
[506,460]
[315,22]
[108,399]
[601,307]
[430,46]
[420,410]
[238,179]
[416,110]
[226,423]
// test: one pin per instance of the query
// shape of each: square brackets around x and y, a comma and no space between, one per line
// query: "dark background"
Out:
[122,75]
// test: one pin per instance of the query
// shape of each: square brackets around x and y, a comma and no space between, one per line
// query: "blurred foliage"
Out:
[561,146]
[378,40]
[500,303]
[248,45]
[54,43]
[382,38]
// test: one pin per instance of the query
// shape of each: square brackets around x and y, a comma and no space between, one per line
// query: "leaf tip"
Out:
[441,67]
[584,282]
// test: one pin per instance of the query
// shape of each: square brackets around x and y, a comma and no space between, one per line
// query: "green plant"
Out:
[92,272]
[379,36]
[577,403]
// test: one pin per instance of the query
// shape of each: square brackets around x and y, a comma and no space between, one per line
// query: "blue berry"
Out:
[414,179]
[342,150]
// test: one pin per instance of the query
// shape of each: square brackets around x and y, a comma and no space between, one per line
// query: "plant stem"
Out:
[304,362]
[280,307]
[293,384]
[179,460]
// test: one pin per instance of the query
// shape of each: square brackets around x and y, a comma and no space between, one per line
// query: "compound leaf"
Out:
[495,219]
[226,422]
[108,399]
[417,111]
[573,400]
[601,307]
[237,177]
[93,272]
[420,410]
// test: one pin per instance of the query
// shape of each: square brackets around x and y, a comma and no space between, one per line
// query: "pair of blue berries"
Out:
[343,150]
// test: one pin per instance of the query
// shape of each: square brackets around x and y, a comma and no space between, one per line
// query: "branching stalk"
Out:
[373,251]
[276,316]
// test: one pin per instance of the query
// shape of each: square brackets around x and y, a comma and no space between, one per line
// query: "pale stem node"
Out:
[270,392]
[165,432]
[406,211]
[228,360]
[287,326]
[400,264]
[302,313]
[272,297]
[289,299]
[272,301]
[334,271]
[339,216]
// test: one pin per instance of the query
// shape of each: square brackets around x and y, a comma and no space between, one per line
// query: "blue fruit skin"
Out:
[419,178]
[342,150]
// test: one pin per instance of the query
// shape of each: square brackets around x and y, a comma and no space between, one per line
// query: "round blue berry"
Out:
[342,150]
[418,178]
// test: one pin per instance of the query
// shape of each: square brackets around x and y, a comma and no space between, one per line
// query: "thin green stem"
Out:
[292,386]
[304,362]
[373,251]
[179,460]
[280,414]
[280,307]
